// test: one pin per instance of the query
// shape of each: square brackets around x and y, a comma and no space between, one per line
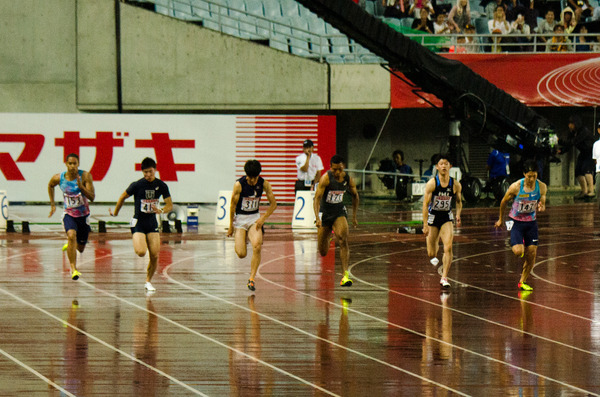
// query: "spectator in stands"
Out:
[402,180]
[583,139]
[559,42]
[441,27]
[582,42]
[461,45]
[567,20]
[471,42]
[490,8]
[500,27]
[519,27]
[418,5]
[423,24]
[515,8]
[582,8]
[396,8]
[547,25]
[460,15]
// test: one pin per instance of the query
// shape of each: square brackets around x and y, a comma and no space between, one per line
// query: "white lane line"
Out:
[483,319]
[208,338]
[301,331]
[92,337]
[36,373]
[424,335]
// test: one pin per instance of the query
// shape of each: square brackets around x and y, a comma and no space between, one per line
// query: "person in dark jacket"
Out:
[583,139]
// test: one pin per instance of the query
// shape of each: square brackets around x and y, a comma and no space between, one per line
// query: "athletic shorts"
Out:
[80,224]
[525,233]
[144,225]
[439,218]
[243,221]
[328,219]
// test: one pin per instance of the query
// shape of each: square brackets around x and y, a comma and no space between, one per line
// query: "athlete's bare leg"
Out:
[447,235]
[340,228]
[153,241]
[256,239]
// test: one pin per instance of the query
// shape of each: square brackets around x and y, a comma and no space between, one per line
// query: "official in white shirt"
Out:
[309,166]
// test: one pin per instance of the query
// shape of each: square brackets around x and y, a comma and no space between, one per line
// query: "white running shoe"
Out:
[444,282]
[434,261]
[149,287]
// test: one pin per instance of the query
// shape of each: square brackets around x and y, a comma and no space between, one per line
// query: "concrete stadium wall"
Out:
[60,56]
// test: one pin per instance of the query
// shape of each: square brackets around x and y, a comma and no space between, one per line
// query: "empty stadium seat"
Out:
[200,9]
[272,9]
[255,7]
[164,7]
[289,8]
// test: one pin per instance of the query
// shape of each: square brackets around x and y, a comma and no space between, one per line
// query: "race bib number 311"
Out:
[250,204]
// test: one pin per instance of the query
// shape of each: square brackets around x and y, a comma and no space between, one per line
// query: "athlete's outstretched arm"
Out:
[323,183]
[355,200]
[54,181]
[119,204]
[429,188]
[459,204]
[510,194]
[272,205]
[235,197]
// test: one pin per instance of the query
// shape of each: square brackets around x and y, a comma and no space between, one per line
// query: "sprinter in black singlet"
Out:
[331,214]
[244,215]
[437,214]
[146,193]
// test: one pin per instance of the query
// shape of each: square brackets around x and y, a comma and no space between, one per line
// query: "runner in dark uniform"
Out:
[331,214]
[437,215]
[144,226]
[244,215]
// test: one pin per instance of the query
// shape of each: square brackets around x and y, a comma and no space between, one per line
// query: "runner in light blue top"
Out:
[529,196]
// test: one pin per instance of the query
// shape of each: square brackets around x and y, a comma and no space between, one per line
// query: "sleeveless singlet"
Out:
[524,206]
[250,197]
[76,204]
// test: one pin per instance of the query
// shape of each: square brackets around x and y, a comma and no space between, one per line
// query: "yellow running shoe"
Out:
[75,275]
[64,248]
[346,282]
[524,287]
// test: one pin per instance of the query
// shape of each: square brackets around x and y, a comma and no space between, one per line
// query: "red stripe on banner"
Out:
[275,141]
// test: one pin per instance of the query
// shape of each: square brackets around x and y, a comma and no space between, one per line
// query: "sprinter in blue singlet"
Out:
[529,196]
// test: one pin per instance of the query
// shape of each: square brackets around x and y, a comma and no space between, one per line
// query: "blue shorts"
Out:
[525,233]
[80,224]
[144,225]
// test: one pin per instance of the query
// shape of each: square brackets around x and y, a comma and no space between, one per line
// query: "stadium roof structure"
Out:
[502,120]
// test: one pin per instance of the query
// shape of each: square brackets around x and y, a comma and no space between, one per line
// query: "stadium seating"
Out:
[287,25]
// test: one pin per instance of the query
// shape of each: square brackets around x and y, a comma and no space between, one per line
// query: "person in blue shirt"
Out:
[498,164]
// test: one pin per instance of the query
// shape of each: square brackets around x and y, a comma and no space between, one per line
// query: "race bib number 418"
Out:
[147,206]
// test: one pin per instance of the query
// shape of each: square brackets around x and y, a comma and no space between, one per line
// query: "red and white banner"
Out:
[534,79]
[275,141]
[196,155]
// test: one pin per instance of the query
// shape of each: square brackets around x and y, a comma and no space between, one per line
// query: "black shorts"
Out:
[584,165]
[80,224]
[437,219]
[144,225]
[328,218]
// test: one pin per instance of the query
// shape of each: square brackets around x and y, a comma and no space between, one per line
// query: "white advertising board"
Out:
[195,154]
